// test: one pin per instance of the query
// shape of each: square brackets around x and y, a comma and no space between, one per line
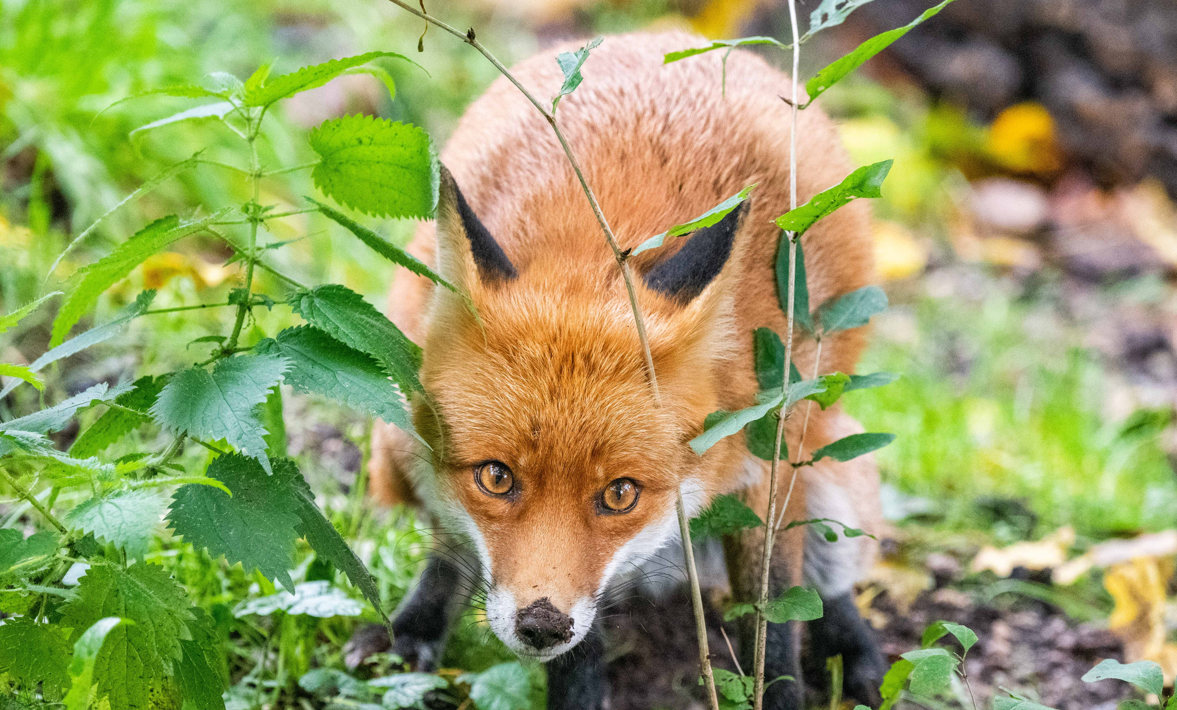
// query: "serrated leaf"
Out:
[874,379]
[19,314]
[56,417]
[202,675]
[728,44]
[795,604]
[1145,675]
[91,281]
[94,336]
[319,599]
[32,653]
[893,682]
[707,219]
[346,316]
[376,166]
[216,110]
[287,85]
[837,70]
[831,13]
[256,526]
[136,656]
[835,384]
[320,364]
[570,64]
[221,404]
[60,467]
[125,519]
[727,514]
[851,310]
[81,669]
[382,247]
[506,686]
[853,446]
[801,314]
[23,373]
[407,690]
[114,424]
[866,181]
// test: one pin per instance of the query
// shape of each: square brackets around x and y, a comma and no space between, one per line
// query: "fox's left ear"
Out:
[684,276]
[467,253]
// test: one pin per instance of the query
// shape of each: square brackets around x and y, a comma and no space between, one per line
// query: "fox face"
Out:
[551,451]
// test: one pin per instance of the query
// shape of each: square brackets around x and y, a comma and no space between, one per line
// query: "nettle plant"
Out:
[125,634]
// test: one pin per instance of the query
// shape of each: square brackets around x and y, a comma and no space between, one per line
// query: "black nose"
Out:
[541,625]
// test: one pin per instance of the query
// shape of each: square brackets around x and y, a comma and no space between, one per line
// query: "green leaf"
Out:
[376,166]
[830,14]
[23,373]
[18,315]
[81,669]
[202,674]
[835,384]
[866,181]
[382,247]
[728,44]
[801,314]
[91,337]
[256,526]
[571,64]
[134,657]
[796,604]
[125,519]
[1016,703]
[893,682]
[770,360]
[932,672]
[963,634]
[114,424]
[91,281]
[875,379]
[851,310]
[506,686]
[1145,675]
[60,467]
[720,425]
[736,689]
[737,610]
[853,446]
[727,514]
[319,364]
[329,683]
[707,219]
[31,653]
[346,316]
[760,436]
[318,599]
[216,110]
[287,85]
[407,690]
[836,71]
[273,419]
[826,531]
[56,417]
[222,404]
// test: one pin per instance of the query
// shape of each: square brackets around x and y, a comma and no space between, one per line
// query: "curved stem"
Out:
[32,500]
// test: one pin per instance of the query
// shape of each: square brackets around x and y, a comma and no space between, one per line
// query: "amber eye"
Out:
[494,478]
[620,496]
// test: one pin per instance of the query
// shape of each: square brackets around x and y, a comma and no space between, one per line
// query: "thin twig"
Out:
[177,309]
[799,459]
[730,650]
[32,500]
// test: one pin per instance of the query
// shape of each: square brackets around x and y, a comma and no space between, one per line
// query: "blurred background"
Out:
[1027,238]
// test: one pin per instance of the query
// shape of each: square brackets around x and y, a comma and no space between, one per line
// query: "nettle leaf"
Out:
[853,446]
[801,314]
[216,110]
[202,674]
[262,92]
[893,682]
[91,281]
[875,379]
[836,71]
[707,219]
[851,310]
[571,64]
[23,373]
[1145,675]
[221,404]
[346,316]
[56,417]
[319,599]
[835,385]
[932,671]
[728,44]
[32,653]
[320,364]
[866,181]
[376,166]
[134,657]
[94,336]
[727,514]
[114,424]
[81,668]
[126,519]
[256,526]
[770,360]
[506,686]
[60,467]
[796,604]
[407,690]
[830,14]
[19,314]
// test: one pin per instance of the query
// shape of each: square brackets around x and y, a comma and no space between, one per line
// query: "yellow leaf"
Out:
[1022,139]
[903,584]
[1138,617]
[1047,553]
[898,254]
[160,269]
[720,19]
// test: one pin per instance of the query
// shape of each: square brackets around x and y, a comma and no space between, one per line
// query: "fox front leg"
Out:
[423,622]
[576,680]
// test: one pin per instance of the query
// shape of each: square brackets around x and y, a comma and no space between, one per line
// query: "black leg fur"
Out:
[782,657]
[842,631]
[423,621]
[576,680]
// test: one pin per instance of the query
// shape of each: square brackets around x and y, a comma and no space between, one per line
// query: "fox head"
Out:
[551,451]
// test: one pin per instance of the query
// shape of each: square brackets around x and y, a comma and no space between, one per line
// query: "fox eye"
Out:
[494,478]
[620,496]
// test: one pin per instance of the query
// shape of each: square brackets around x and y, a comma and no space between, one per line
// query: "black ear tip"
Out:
[492,262]
[683,276]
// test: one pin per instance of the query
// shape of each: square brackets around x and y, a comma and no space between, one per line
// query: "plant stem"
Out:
[177,309]
[469,37]
[250,256]
[770,533]
[32,500]
[291,169]
[799,459]
[258,262]
[226,166]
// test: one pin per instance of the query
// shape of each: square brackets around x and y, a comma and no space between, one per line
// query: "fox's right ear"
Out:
[467,254]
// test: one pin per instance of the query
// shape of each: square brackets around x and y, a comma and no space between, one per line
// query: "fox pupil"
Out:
[494,478]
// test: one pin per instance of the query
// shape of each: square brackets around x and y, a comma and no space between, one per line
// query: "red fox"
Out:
[550,455]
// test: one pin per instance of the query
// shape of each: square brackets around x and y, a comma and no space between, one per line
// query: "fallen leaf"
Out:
[1111,552]
[1153,217]
[1022,138]
[1048,553]
[898,254]
[903,584]
[1138,617]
